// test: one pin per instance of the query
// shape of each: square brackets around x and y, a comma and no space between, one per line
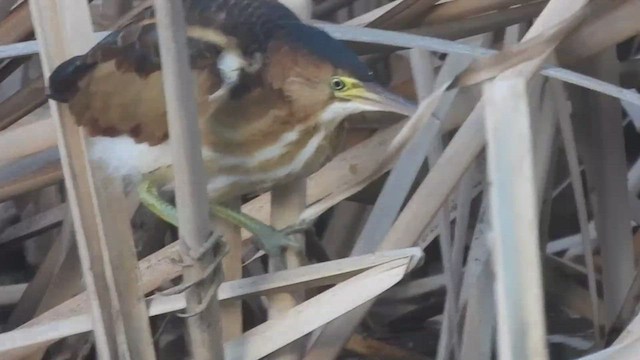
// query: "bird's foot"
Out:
[151,199]
[215,244]
[220,248]
[298,228]
[267,238]
[276,242]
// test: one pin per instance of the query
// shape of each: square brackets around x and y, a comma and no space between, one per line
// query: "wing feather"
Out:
[116,87]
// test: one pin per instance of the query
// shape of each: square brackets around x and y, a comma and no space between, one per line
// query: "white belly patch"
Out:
[122,156]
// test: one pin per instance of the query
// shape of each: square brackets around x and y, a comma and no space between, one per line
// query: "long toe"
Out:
[300,227]
[276,241]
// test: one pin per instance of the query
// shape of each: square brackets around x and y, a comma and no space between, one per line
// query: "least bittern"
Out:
[272,93]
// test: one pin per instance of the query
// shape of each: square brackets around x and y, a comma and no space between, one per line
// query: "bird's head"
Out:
[335,76]
[336,94]
[367,96]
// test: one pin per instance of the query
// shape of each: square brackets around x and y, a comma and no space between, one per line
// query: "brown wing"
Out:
[116,88]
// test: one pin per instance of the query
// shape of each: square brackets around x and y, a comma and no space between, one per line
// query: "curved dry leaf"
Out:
[487,68]
[597,33]
[404,12]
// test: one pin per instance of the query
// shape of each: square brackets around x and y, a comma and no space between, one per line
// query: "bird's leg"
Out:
[270,240]
[151,199]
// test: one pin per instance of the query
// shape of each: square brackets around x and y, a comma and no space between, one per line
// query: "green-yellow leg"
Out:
[270,240]
[151,199]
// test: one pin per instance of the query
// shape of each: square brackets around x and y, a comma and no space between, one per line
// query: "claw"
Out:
[150,198]
[213,289]
[274,244]
[298,228]
[208,245]
[197,254]
[205,301]
[268,239]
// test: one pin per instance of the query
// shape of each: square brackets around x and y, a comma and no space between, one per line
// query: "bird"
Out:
[272,92]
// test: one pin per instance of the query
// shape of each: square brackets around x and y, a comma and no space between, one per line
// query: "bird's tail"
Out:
[63,81]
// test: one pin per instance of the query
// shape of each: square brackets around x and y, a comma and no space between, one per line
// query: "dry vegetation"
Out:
[500,221]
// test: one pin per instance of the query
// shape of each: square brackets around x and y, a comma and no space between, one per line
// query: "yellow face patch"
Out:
[346,88]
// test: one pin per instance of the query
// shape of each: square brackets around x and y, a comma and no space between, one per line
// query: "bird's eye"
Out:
[337,84]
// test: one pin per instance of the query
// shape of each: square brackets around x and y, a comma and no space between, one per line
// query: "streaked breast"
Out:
[295,154]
